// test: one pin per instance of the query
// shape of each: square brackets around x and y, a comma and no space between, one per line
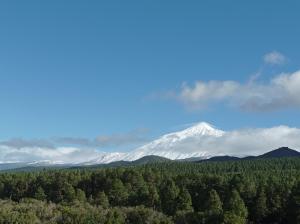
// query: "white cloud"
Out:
[274,58]
[56,155]
[280,92]
[255,141]
[69,149]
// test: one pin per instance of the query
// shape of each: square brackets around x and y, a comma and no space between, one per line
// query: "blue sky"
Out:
[84,69]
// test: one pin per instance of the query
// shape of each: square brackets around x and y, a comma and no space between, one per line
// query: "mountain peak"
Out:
[201,128]
[202,125]
[173,145]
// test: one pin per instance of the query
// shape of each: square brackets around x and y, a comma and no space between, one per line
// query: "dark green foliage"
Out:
[238,192]
[294,206]
[101,200]
[184,201]
[40,194]
[261,208]
[169,194]
[118,194]
[80,195]
[236,211]
[214,210]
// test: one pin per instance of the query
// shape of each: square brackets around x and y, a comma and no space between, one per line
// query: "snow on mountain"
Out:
[179,145]
[105,158]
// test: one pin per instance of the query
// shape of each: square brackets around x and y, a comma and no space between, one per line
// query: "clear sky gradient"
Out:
[89,68]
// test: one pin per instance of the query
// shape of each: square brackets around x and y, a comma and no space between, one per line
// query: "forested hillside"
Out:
[251,191]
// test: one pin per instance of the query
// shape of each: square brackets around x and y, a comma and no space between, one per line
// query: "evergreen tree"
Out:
[118,194]
[213,212]
[69,193]
[231,218]
[260,207]
[114,217]
[214,203]
[153,197]
[235,210]
[294,205]
[184,200]
[102,200]
[169,194]
[40,194]
[80,195]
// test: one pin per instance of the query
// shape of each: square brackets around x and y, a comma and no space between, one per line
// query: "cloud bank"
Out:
[69,149]
[249,141]
[280,92]
[236,142]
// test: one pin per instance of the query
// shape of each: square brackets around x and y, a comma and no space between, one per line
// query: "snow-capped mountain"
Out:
[179,145]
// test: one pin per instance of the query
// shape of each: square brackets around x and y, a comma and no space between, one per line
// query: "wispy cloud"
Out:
[116,140]
[69,149]
[54,155]
[19,143]
[282,91]
[101,141]
[274,58]
[122,139]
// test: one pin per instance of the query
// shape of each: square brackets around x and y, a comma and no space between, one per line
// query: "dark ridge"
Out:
[281,152]
[221,159]
[142,161]
[150,159]
[277,153]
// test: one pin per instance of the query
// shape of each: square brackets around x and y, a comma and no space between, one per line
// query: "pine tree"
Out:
[213,208]
[236,211]
[260,206]
[184,200]
[69,193]
[80,195]
[118,194]
[294,205]
[153,197]
[169,194]
[114,217]
[214,203]
[40,194]
[101,200]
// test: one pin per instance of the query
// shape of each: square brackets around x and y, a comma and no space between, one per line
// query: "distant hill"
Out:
[281,152]
[220,159]
[277,153]
[150,159]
